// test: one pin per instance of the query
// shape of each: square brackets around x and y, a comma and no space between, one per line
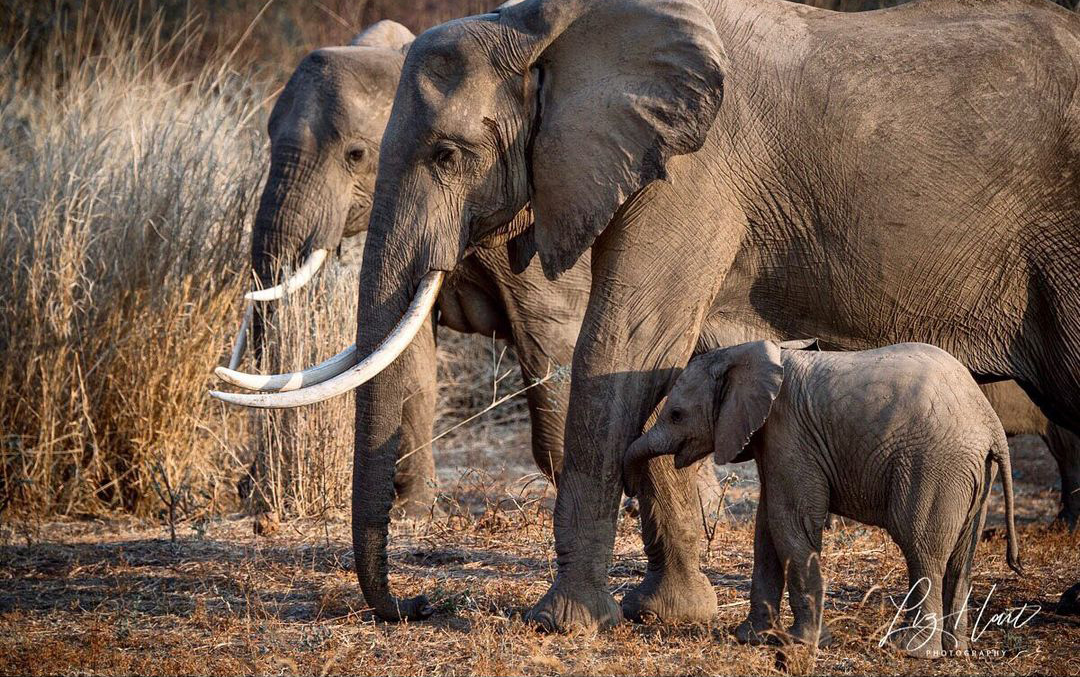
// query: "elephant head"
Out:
[325,130]
[716,405]
[572,106]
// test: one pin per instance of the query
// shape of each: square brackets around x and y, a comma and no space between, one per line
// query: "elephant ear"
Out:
[618,87]
[748,379]
[387,34]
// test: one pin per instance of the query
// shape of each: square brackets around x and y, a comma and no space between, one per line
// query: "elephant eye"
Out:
[355,155]
[445,157]
[676,416]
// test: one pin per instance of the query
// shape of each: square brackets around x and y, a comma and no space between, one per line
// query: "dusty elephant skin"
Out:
[830,189]
[834,188]
[484,295]
[325,132]
[898,437]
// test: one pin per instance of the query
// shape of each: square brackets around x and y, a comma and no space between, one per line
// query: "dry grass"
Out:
[129,171]
[125,190]
[116,597]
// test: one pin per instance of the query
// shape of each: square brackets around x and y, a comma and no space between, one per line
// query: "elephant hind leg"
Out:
[1064,446]
[956,584]
[795,527]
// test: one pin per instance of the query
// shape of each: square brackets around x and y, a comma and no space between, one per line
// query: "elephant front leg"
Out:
[674,589]
[610,399]
[766,583]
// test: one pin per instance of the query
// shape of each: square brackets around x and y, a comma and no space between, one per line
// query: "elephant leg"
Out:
[415,481]
[640,328]
[674,588]
[1065,448]
[956,584]
[766,584]
[922,639]
[547,413]
[795,527]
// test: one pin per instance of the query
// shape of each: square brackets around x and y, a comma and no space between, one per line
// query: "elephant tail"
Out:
[1000,452]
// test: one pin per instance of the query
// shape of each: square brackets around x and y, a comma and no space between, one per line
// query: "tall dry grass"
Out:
[126,188]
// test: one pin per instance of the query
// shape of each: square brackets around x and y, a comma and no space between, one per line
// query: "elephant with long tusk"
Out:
[366,533]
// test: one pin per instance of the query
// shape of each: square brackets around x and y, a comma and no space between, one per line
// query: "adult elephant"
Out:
[870,182]
[325,130]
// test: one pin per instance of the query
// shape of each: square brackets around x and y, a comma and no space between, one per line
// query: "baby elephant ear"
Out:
[748,379]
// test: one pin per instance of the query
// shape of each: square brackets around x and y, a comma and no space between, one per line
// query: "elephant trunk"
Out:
[295,227]
[387,283]
[634,461]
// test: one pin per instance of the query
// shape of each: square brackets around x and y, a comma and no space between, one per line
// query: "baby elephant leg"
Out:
[766,585]
[956,585]
[924,620]
[796,536]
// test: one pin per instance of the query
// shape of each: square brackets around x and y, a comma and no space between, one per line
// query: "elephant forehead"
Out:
[449,69]
[339,91]
[694,386]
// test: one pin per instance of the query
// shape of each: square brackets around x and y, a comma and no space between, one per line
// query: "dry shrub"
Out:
[125,191]
[303,457]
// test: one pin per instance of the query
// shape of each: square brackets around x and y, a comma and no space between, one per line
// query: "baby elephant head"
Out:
[717,403]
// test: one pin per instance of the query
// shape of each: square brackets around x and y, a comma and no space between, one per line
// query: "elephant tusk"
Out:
[297,280]
[280,383]
[240,343]
[387,351]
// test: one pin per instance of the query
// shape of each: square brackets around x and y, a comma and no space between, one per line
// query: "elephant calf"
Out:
[900,437]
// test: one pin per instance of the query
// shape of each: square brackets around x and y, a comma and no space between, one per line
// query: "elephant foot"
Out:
[568,606]
[1068,518]
[918,642]
[670,597]
[753,634]
[806,634]
[1069,604]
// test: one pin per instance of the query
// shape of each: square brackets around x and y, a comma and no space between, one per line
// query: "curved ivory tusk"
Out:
[298,279]
[280,383]
[388,351]
[240,343]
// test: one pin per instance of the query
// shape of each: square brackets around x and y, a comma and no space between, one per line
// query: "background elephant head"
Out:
[324,130]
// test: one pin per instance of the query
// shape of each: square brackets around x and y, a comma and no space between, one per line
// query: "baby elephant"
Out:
[899,437]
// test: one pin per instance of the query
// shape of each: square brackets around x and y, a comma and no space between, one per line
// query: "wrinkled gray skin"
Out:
[899,437]
[1020,416]
[325,131]
[869,183]
[540,317]
[344,97]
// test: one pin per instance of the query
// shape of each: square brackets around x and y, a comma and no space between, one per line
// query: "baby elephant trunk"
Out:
[634,461]
[1000,452]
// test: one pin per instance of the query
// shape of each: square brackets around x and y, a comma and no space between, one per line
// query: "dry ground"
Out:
[118,597]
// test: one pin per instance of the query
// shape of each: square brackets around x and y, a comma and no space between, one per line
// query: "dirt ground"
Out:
[113,597]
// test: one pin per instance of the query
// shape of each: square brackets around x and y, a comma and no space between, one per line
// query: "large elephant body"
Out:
[864,178]
[484,295]
[857,177]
